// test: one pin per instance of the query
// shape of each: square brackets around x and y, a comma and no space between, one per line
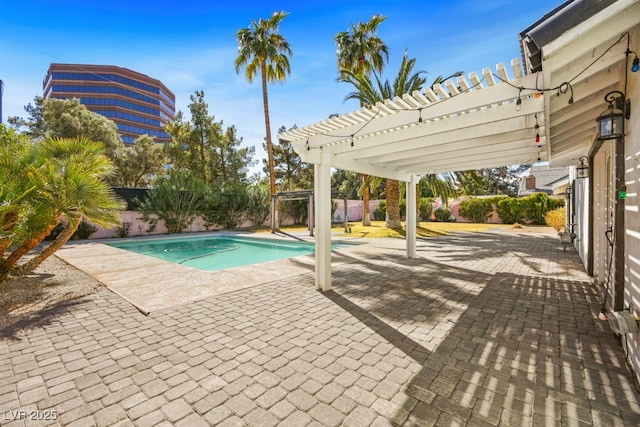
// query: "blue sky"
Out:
[190,45]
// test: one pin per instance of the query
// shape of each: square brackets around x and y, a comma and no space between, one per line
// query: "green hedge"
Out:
[476,210]
[531,209]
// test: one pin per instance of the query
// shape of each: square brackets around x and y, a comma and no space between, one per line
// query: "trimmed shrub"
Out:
[511,210]
[556,218]
[476,210]
[537,205]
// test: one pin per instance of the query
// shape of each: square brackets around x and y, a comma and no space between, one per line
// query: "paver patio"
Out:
[481,329]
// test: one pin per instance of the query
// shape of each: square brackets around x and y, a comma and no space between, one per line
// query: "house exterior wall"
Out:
[632,210]
[604,199]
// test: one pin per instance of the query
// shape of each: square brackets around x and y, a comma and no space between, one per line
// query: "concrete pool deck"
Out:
[152,284]
[481,329]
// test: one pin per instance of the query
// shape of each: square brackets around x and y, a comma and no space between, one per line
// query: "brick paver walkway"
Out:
[482,329]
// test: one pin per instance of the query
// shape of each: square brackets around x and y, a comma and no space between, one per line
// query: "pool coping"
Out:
[151,284]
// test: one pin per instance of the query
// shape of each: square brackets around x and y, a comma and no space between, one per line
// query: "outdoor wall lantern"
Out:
[569,190]
[611,121]
[582,169]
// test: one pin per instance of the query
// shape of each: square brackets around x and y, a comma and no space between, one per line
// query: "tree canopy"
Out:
[204,147]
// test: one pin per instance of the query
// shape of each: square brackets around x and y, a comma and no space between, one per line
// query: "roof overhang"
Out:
[590,55]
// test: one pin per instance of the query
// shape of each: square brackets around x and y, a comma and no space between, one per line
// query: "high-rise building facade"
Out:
[137,103]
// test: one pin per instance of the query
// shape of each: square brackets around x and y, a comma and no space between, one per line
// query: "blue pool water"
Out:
[218,252]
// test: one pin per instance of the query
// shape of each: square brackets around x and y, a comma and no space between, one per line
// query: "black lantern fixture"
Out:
[611,121]
[582,169]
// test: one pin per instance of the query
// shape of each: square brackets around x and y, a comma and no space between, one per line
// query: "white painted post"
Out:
[412,218]
[310,214]
[322,178]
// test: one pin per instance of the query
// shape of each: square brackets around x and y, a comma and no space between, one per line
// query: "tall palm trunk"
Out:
[60,240]
[366,195]
[393,205]
[272,173]
[366,191]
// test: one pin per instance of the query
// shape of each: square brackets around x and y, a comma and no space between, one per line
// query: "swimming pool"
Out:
[218,252]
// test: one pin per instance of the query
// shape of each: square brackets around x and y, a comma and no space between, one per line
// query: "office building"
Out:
[137,103]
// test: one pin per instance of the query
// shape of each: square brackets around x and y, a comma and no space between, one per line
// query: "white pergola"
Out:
[471,123]
[479,121]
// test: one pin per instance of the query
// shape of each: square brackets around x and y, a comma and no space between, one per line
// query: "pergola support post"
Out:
[412,217]
[322,178]
[310,215]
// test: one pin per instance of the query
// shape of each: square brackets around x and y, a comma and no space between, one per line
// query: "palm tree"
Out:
[368,93]
[69,176]
[361,51]
[261,47]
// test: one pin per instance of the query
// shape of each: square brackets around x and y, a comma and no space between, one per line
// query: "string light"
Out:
[566,86]
[537,92]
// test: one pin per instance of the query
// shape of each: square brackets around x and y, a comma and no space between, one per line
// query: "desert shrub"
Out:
[259,204]
[177,199]
[226,206]
[444,215]
[380,212]
[83,232]
[556,218]
[124,229]
[425,208]
[476,210]
[294,209]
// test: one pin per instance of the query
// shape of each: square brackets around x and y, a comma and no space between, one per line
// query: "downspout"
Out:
[590,250]
[619,233]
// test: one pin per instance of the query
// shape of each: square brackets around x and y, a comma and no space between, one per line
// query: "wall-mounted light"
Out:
[635,64]
[583,168]
[611,121]
[569,190]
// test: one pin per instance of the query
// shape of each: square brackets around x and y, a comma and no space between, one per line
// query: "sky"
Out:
[190,45]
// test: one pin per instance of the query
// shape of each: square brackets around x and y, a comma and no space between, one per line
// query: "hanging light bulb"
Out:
[635,65]
[537,128]
[519,100]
